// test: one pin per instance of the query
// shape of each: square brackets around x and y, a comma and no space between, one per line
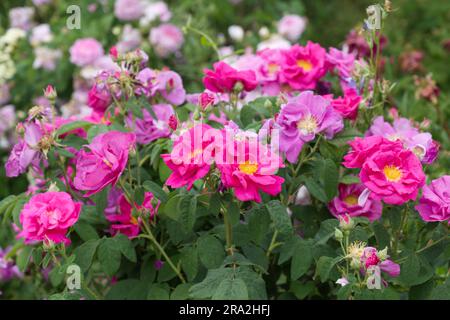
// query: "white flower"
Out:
[41,34]
[342,281]
[264,32]
[291,27]
[236,33]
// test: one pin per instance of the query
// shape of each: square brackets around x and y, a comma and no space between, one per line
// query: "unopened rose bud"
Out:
[338,235]
[50,93]
[173,122]
[346,223]
[20,129]
[238,87]
[302,198]
[382,255]
[114,53]
[355,264]
[268,104]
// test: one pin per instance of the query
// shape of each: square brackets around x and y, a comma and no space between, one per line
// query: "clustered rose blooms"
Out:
[48,216]
[104,161]
[402,129]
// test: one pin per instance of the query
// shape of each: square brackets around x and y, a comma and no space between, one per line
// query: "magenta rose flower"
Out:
[351,201]
[363,148]
[149,129]
[434,205]
[342,61]
[99,97]
[123,220]
[224,77]
[250,170]
[104,162]
[304,66]
[393,176]
[85,51]
[347,105]
[170,85]
[25,152]
[187,160]
[301,118]
[48,216]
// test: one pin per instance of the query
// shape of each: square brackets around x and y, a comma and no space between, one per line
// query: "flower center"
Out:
[305,65]
[392,173]
[351,200]
[248,167]
[106,161]
[272,68]
[195,153]
[307,125]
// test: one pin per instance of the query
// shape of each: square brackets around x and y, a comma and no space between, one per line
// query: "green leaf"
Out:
[95,131]
[208,286]
[350,179]
[258,224]
[85,253]
[324,267]
[280,218]
[23,258]
[73,126]
[342,138]
[181,292]
[247,115]
[156,190]
[126,247]
[187,208]
[189,262]
[301,260]
[158,291]
[85,231]
[109,256]
[442,292]
[231,289]
[326,230]
[315,189]
[256,286]
[381,234]
[211,251]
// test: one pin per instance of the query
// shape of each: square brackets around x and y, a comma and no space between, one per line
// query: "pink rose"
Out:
[393,176]
[347,105]
[223,78]
[166,39]
[304,66]
[363,148]
[48,216]
[85,51]
[434,205]
[291,27]
[105,161]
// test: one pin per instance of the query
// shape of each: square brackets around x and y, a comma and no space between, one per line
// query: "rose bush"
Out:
[285,170]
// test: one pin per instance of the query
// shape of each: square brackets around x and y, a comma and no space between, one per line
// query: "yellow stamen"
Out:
[305,65]
[392,173]
[272,68]
[351,200]
[248,167]
[307,125]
